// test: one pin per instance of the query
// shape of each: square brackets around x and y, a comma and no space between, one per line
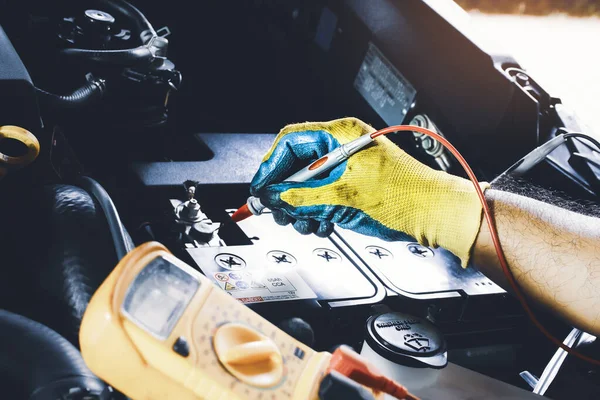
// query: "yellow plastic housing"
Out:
[233,352]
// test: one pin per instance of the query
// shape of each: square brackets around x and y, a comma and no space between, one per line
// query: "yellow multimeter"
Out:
[158,329]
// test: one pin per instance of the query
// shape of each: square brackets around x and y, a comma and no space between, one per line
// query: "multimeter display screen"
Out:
[158,296]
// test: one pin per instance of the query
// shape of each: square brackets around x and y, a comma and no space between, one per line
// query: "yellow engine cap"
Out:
[23,136]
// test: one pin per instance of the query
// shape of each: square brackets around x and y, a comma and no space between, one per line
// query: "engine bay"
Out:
[171,108]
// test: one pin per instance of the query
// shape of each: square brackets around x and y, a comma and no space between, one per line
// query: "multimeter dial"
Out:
[248,355]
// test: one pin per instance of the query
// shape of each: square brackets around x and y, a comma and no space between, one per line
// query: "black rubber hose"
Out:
[125,57]
[83,96]
[53,284]
[117,230]
[41,362]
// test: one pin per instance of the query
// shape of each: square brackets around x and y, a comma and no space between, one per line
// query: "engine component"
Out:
[92,35]
[575,339]
[84,96]
[299,330]
[198,229]
[140,78]
[119,235]
[337,386]
[189,211]
[43,364]
[24,137]
[115,43]
[54,283]
[429,145]
[94,29]
[18,104]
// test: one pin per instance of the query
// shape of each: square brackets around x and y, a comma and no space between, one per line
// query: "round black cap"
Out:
[407,340]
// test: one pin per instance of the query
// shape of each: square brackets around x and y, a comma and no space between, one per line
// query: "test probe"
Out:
[329,161]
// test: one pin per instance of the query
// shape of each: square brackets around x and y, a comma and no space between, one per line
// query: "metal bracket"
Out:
[575,339]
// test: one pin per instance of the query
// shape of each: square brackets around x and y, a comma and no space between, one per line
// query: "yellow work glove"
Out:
[380,191]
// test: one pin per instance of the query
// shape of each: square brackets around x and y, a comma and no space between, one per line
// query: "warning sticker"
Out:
[221,277]
[256,299]
[235,276]
[242,285]
[255,286]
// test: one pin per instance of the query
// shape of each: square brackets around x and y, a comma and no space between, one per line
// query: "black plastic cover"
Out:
[336,386]
[18,105]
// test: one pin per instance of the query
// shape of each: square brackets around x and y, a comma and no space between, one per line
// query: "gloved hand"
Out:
[380,191]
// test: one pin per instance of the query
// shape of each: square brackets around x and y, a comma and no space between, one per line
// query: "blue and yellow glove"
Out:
[380,191]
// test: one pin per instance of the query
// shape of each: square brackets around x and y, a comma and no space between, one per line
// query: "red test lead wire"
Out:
[348,363]
[493,233]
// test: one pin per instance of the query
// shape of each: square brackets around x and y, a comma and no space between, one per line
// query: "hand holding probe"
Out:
[245,212]
[329,161]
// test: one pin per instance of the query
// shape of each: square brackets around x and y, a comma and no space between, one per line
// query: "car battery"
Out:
[346,269]
[328,281]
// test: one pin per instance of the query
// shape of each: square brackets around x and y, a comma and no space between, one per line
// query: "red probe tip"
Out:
[241,214]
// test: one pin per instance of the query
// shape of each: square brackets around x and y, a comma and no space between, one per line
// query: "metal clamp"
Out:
[575,339]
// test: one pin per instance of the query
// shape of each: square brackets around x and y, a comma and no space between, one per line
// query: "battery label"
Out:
[258,286]
[384,87]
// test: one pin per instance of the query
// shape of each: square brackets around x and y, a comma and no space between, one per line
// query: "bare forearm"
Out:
[553,253]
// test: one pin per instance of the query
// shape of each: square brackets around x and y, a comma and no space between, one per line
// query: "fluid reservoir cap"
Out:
[407,340]
[99,17]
